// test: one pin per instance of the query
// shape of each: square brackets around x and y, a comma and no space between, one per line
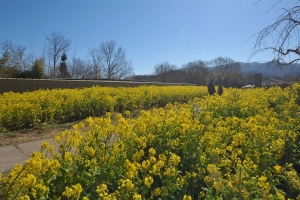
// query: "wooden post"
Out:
[257,80]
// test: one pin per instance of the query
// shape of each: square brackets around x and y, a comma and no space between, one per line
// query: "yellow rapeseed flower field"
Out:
[244,144]
[62,105]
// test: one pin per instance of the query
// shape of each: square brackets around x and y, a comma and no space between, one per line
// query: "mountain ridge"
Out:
[269,69]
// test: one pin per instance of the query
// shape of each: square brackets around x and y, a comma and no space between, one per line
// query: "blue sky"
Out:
[150,31]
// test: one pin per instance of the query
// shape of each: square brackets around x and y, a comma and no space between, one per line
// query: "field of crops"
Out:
[64,105]
[242,145]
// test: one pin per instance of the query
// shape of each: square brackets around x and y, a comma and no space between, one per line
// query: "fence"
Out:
[23,85]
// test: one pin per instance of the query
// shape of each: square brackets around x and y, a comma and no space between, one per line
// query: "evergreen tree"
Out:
[37,69]
[3,64]
[63,68]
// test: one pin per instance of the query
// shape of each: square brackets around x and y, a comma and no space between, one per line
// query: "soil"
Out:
[43,131]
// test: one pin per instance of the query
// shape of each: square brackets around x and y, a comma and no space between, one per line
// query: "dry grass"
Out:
[42,131]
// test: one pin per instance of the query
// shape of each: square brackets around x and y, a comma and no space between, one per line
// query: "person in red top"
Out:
[220,90]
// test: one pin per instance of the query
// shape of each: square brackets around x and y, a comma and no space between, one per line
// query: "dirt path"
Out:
[17,154]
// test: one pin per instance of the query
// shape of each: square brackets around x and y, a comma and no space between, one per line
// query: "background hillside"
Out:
[269,69]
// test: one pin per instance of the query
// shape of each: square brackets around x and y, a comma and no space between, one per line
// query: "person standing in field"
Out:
[220,90]
[211,87]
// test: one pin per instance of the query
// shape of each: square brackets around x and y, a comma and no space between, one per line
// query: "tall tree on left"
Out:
[13,60]
[57,44]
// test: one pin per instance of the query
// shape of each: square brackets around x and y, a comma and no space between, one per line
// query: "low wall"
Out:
[23,85]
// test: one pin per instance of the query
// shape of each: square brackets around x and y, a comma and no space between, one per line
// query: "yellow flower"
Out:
[180,182]
[74,192]
[293,179]
[277,169]
[89,121]
[170,171]
[68,157]
[174,160]
[146,164]
[45,144]
[25,197]
[148,181]
[211,168]
[102,190]
[129,185]
[157,192]
[152,152]
[29,181]
[202,158]
[152,159]
[217,185]
[208,179]
[90,151]
[187,197]
[280,194]
[162,157]
[39,190]
[137,196]
[68,192]
[160,164]
[77,188]
[176,143]
[261,181]
[138,155]
[155,169]
[108,114]
[202,194]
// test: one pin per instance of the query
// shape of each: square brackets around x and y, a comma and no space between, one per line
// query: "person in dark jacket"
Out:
[211,87]
[220,90]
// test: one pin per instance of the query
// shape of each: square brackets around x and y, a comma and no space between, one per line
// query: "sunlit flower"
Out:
[187,197]
[277,169]
[174,160]
[137,196]
[148,181]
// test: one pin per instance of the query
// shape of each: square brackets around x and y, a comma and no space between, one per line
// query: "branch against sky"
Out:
[95,63]
[226,70]
[113,61]
[161,70]
[57,44]
[16,54]
[282,37]
[197,72]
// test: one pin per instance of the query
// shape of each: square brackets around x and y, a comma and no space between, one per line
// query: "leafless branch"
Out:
[282,38]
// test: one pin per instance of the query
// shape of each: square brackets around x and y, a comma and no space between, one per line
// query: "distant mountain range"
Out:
[268,70]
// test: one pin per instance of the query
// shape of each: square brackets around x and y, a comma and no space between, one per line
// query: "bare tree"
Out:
[164,67]
[226,71]
[14,59]
[79,69]
[197,72]
[282,37]
[95,63]
[161,70]
[112,61]
[57,44]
